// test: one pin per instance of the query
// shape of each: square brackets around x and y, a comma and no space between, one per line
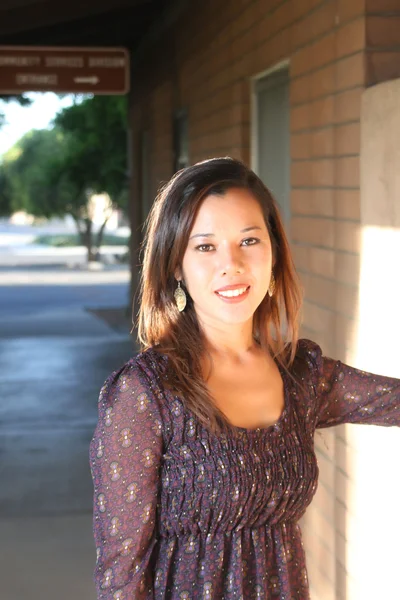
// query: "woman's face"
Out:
[229,245]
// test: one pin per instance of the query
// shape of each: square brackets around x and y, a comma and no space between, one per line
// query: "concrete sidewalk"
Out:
[52,365]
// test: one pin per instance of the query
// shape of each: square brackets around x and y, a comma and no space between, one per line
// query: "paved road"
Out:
[54,357]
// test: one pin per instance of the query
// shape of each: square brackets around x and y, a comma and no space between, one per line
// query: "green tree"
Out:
[24,174]
[94,161]
[57,172]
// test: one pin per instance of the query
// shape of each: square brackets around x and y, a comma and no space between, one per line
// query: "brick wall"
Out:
[204,63]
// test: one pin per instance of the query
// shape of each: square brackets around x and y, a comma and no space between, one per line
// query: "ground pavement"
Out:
[54,357]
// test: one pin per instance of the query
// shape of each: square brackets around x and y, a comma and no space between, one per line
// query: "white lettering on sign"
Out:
[19,61]
[32,79]
[65,61]
[107,62]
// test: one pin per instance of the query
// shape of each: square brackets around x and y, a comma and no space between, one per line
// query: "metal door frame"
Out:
[254,118]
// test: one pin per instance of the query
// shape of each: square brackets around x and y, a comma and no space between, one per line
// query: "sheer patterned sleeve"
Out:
[125,454]
[348,395]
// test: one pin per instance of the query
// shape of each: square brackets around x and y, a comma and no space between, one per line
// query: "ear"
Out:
[178,274]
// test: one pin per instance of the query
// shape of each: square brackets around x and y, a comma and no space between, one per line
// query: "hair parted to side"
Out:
[179,334]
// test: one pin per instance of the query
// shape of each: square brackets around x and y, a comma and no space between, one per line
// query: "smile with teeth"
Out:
[232,293]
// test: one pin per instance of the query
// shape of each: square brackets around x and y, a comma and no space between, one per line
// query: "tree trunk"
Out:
[92,254]
[100,234]
[84,228]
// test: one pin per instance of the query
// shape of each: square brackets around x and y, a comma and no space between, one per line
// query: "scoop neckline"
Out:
[274,427]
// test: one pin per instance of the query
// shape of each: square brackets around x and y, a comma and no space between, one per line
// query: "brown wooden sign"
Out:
[64,70]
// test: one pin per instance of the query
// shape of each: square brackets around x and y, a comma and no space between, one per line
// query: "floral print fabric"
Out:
[182,514]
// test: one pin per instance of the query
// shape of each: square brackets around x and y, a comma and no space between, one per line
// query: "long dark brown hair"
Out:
[179,336]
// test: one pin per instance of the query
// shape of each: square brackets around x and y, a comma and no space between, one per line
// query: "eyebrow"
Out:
[207,235]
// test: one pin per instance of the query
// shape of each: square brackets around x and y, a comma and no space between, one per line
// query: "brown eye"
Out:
[252,240]
[200,248]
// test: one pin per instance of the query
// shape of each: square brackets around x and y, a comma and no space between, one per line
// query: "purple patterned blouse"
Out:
[182,514]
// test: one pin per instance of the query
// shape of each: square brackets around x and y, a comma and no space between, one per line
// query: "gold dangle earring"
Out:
[180,297]
[272,286]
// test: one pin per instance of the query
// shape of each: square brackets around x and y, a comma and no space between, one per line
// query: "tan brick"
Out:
[302,61]
[263,29]
[321,320]
[301,9]
[326,466]
[321,112]
[341,515]
[347,10]
[315,202]
[347,331]
[320,586]
[347,204]
[343,582]
[347,268]
[323,201]
[347,139]
[323,51]
[300,256]
[300,117]
[279,47]
[323,19]
[344,456]
[322,262]
[264,7]
[323,82]
[382,66]
[301,33]
[301,173]
[383,32]
[323,172]
[311,231]
[322,142]
[325,438]
[343,487]
[324,501]
[275,49]
[350,71]
[350,38]
[283,16]
[300,202]
[347,300]
[347,236]
[382,5]
[348,105]
[300,145]
[326,559]
[300,90]
[242,44]
[243,67]
[347,172]
[322,292]
[316,232]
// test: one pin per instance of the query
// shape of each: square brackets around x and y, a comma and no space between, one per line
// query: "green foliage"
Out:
[96,144]
[55,172]
[25,172]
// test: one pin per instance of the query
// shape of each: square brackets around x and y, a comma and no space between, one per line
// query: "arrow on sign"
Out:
[93,80]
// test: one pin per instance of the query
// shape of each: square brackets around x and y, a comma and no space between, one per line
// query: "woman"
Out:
[203,457]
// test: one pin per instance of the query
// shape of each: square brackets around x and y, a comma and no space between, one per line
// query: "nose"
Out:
[231,259]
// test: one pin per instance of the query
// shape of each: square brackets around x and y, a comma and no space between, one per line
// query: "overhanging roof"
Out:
[74,23]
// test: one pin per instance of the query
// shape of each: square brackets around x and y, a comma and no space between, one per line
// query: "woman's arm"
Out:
[125,455]
[347,395]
